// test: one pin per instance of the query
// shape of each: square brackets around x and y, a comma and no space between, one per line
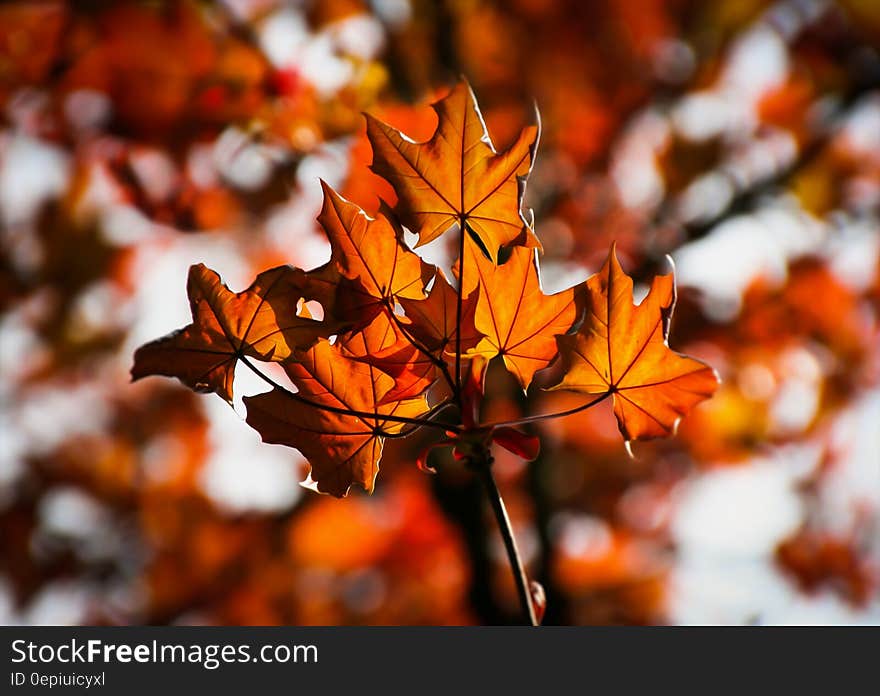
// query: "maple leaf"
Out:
[370,265]
[457,177]
[412,366]
[518,321]
[413,371]
[261,322]
[434,320]
[336,418]
[621,349]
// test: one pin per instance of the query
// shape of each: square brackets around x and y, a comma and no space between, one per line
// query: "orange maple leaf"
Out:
[413,367]
[337,418]
[261,322]
[434,321]
[370,265]
[457,177]
[517,320]
[621,349]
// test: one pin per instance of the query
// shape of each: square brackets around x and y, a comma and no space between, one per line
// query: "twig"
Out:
[483,463]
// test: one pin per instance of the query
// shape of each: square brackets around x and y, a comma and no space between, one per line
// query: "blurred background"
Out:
[741,137]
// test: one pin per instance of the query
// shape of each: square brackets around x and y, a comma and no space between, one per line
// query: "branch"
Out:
[484,465]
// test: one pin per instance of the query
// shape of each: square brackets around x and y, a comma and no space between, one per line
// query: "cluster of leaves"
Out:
[393,326]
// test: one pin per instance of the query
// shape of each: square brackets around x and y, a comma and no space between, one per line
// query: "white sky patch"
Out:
[705,197]
[752,591]
[854,249]
[87,109]
[125,224]
[317,57]
[7,610]
[330,163]
[285,226]
[241,472]
[241,161]
[31,172]
[739,511]
[67,511]
[20,350]
[582,536]
[12,449]
[634,168]
[726,524]
[757,62]
[853,484]
[394,13]
[761,158]
[320,64]
[61,603]
[47,416]
[746,247]
[283,35]
[289,225]
[704,592]
[361,36]
[862,128]
[72,515]
[557,276]
[155,171]
[794,406]
[702,115]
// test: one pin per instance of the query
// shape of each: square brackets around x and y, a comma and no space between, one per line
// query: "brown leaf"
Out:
[433,321]
[343,449]
[261,322]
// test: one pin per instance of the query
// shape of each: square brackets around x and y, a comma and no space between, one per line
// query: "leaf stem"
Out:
[547,416]
[458,311]
[437,408]
[365,415]
[438,362]
[483,464]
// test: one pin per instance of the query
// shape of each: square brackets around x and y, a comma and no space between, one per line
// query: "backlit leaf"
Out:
[518,321]
[343,449]
[370,265]
[433,321]
[261,322]
[457,177]
[621,349]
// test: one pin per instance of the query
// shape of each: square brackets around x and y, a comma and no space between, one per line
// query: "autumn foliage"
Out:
[441,301]
[362,373]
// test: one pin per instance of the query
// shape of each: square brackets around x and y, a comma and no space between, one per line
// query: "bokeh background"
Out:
[740,136]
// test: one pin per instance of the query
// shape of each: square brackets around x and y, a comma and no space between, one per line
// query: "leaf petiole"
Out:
[388,417]
[548,416]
